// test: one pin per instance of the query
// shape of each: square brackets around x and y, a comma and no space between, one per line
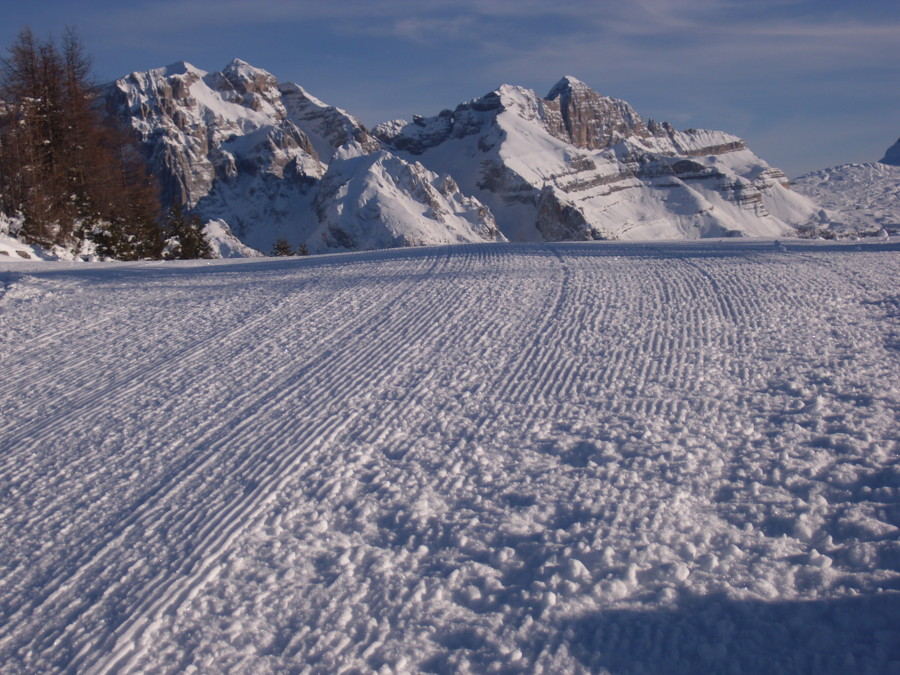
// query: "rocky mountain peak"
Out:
[593,121]
[892,156]
[249,80]
[271,160]
[178,68]
[564,86]
[580,165]
[253,88]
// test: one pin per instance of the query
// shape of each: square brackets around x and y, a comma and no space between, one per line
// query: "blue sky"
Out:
[808,84]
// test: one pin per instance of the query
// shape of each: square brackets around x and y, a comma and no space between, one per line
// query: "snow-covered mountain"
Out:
[270,161]
[860,198]
[378,200]
[579,165]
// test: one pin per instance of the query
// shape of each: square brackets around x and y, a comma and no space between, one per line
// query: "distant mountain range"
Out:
[267,160]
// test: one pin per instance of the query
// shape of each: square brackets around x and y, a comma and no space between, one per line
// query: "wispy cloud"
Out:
[722,24]
[726,63]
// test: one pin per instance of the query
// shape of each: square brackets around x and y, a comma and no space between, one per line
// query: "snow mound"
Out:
[223,242]
[378,200]
[14,250]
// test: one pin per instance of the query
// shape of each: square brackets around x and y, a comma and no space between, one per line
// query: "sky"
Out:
[807,83]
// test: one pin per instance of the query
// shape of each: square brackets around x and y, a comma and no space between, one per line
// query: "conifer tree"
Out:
[63,166]
[186,238]
[282,247]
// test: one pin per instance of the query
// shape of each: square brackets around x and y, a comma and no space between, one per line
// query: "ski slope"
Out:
[673,457]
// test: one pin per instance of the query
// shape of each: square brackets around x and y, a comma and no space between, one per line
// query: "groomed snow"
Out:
[488,458]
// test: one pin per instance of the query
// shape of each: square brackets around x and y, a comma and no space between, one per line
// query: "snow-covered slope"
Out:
[10,246]
[241,149]
[578,165]
[627,458]
[861,198]
[381,201]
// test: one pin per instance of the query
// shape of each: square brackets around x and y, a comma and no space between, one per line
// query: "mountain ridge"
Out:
[239,147]
[579,165]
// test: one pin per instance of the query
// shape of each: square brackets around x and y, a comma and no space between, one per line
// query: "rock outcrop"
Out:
[592,121]
[892,156]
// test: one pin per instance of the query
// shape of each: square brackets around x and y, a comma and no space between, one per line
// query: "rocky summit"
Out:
[892,156]
[266,160]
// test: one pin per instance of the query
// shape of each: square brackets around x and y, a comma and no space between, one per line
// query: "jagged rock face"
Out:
[592,121]
[199,127]
[579,165]
[560,220]
[329,128]
[253,88]
[468,119]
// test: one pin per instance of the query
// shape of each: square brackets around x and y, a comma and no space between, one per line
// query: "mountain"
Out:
[381,201]
[268,161]
[861,199]
[892,155]
[576,165]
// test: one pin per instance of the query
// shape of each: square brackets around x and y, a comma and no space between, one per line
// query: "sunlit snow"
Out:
[489,458]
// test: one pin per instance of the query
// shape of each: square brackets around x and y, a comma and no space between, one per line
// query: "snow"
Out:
[13,249]
[503,150]
[659,457]
[223,242]
[859,198]
[381,201]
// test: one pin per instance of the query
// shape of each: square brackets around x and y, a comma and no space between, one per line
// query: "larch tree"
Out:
[67,169]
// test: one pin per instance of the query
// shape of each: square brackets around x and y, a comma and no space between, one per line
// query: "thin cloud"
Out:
[720,63]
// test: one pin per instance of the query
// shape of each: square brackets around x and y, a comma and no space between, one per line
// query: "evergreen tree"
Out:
[186,238]
[282,247]
[63,166]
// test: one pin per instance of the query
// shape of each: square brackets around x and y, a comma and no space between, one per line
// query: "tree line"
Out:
[69,171]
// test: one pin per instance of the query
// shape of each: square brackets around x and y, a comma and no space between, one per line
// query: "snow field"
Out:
[862,198]
[489,458]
